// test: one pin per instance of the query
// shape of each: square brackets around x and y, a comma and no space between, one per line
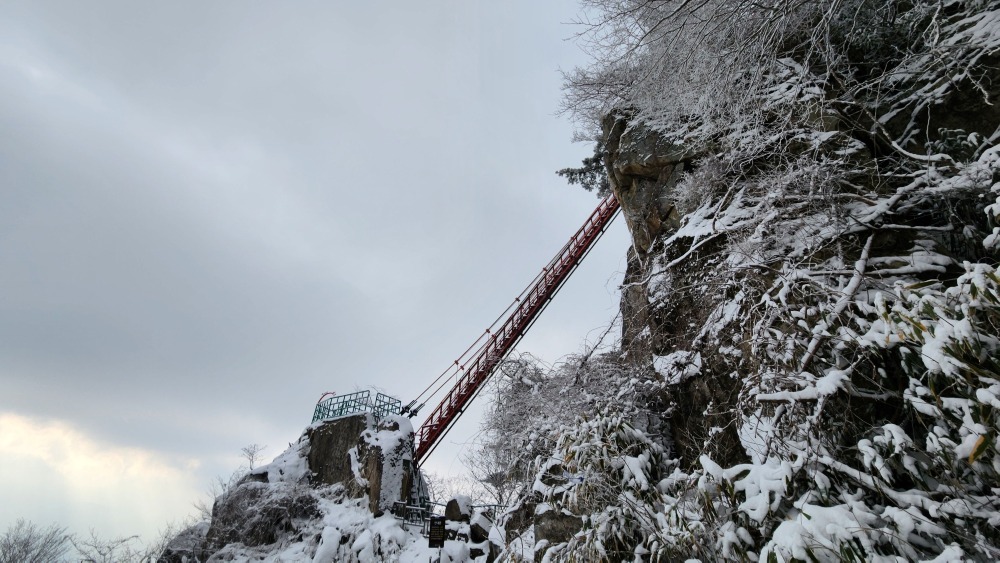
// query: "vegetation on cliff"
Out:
[812,308]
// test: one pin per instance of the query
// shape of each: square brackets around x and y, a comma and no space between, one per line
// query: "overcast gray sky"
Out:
[213,212]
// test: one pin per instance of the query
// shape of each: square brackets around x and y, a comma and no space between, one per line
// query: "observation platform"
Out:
[331,405]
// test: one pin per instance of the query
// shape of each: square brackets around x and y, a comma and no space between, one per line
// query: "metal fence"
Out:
[361,401]
[420,515]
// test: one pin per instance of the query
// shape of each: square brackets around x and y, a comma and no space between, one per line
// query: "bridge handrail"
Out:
[469,372]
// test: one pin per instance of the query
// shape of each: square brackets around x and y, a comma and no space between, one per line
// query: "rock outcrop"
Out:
[330,444]
[384,467]
[642,169]
[674,282]
[349,460]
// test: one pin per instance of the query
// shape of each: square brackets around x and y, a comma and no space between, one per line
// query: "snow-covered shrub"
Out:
[531,406]
[607,470]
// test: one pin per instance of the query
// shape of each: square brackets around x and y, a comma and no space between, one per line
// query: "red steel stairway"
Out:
[468,373]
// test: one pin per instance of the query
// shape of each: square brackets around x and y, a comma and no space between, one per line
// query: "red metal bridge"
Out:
[466,376]
[469,372]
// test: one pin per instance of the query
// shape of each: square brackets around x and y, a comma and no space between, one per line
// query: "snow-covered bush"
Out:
[697,70]
[531,406]
[606,469]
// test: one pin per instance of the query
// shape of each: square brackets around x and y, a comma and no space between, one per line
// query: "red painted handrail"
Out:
[496,344]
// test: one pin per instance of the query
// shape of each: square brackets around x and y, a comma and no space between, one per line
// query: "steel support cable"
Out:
[489,331]
[530,309]
[534,299]
[570,257]
[492,331]
[447,374]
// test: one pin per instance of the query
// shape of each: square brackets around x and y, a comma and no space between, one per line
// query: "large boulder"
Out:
[373,459]
[479,527]
[517,520]
[329,444]
[255,513]
[189,545]
[458,509]
[383,463]
[642,167]
[556,527]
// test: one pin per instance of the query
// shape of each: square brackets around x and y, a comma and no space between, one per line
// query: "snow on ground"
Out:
[349,533]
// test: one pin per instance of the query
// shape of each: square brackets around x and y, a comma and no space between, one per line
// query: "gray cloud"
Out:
[210,213]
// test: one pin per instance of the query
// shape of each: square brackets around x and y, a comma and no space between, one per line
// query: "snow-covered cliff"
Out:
[809,365]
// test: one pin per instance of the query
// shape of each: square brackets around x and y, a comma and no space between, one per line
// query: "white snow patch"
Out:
[677,366]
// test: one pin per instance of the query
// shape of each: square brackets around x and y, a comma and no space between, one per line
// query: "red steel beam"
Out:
[478,369]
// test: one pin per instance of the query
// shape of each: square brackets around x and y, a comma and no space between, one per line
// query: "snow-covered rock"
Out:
[322,499]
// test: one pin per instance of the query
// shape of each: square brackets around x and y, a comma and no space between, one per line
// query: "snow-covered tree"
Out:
[27,541]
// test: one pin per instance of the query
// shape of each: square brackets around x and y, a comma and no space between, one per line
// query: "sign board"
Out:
[435,532]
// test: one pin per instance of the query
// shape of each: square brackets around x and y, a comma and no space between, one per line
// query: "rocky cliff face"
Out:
[810,363]
[642,169]
[690,272]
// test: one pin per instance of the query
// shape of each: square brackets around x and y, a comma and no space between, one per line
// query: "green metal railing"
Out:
[386,405]
[361,401]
